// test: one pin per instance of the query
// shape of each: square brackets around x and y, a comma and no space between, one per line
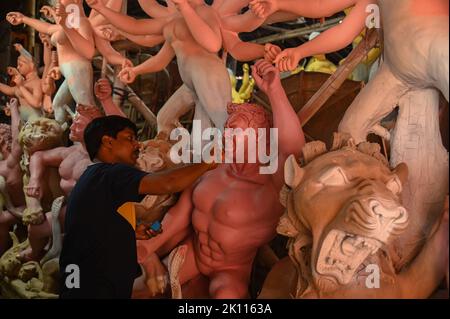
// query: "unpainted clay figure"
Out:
[196,51]
[50,74]
[76,47]
[38,135]
[11,173]
[331,40]
[233,210]
[27,85]
[71,162]
[195,45]
[414,69]
[346,226]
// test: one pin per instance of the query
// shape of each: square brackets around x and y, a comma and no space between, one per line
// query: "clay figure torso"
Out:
[73,166]
[229,234]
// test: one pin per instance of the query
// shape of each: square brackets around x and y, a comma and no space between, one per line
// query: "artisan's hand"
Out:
[266,76]
[271,51]
[102,89]
[263,8]
[288,59]
[15,18]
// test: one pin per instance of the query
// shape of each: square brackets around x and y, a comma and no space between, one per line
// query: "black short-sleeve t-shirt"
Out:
[97,238]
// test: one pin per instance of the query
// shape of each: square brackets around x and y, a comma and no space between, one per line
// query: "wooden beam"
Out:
[334,82]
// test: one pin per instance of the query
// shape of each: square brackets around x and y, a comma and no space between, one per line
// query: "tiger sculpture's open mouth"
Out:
[342,254]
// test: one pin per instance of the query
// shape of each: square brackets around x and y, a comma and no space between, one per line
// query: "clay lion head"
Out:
[341,207]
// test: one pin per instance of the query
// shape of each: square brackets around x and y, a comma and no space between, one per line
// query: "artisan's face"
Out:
[125,147]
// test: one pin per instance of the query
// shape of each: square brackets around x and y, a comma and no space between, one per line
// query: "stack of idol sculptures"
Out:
[322,224]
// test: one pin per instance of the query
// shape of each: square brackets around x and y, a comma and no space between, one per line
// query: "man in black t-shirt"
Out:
[98,258]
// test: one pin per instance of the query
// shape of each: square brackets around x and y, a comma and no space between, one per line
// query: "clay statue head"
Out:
[342,207]
[40,134]
[5,140]
[25,62]
[247,116]
[154,156]
[84,115]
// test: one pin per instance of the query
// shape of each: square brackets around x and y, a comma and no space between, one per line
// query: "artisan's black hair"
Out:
[101,126]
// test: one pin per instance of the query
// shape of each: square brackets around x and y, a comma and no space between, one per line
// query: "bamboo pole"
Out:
[299,32]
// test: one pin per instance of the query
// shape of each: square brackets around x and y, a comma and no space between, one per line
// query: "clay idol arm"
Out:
[97,19]
[7,90]
[16,150]
[158,62]
[108,52]
[246,22]
[304,8]
[290,134]
[127,23]
[240,50]
[41,26]
[339,36]
[144,40]
[205,27]
[153,8]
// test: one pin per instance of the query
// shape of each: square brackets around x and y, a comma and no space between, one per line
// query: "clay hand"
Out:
[157,278]
[54,73]
[127,64]
[13,103]
[60,14]
[288,59]
[95,4]
[127,75]
[108,32]
[45,39]
[266,76]
[18,47]
[271,51]
[15,18]
[102,89]
[12,71]
[18,79]
[48,12]
[48,85]
[263,8]
[33,189]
